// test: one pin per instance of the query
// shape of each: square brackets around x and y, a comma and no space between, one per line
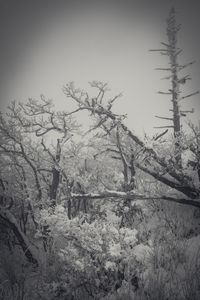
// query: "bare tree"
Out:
[22,145]
[154,164]
[173,51]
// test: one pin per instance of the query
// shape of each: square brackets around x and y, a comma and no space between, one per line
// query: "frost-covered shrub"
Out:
[94,256]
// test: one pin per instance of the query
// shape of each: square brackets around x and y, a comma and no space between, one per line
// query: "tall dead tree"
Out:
[173,51]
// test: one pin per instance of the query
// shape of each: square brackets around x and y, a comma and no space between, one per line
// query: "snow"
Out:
[115,250]
[110,265]
[142,252]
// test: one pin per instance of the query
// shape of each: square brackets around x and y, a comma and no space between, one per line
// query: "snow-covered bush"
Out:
[96,256]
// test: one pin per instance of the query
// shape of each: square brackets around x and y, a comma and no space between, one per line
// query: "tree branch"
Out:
[10,220]
[134,196]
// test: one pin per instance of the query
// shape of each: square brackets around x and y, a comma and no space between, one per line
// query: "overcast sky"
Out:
[45,44]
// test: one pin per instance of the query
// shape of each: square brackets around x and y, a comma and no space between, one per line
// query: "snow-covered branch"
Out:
[134,196]
[176,179]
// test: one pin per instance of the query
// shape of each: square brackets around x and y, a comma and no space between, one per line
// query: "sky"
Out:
[46,44]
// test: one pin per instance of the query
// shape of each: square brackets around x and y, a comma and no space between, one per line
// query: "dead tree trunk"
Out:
[172,51]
